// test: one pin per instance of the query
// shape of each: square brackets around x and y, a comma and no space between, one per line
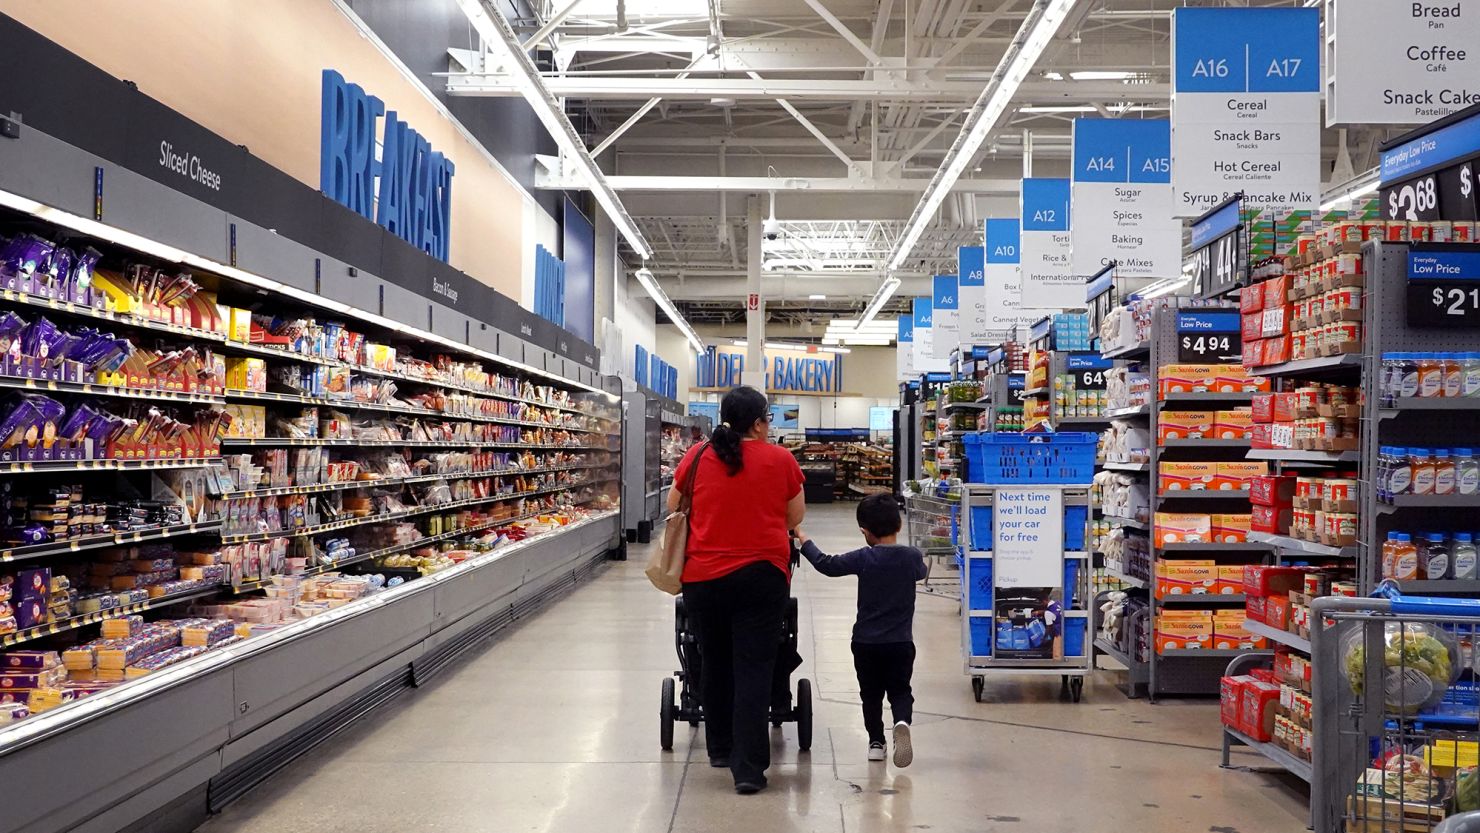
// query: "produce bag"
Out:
[1420,662]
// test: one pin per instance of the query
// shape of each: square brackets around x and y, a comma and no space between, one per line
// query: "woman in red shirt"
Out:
[747,497]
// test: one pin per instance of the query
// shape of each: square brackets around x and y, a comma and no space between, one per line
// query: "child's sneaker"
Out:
[876,752]
[903,752]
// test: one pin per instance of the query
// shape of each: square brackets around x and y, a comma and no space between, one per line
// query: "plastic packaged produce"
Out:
[1420,662]
[1407,778]
[1467,790]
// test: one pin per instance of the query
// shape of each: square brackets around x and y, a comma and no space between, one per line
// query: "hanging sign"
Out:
[1048,279]
[1004,308]
[787,371]
[1246,108]
[1208,337]
[1443,286]
[1028,537]
[1401,63]
[971,277]
[922,357]
[905,348]
[946,303]
[1123,196]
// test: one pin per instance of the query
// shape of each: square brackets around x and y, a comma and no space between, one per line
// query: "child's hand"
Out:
[801,536]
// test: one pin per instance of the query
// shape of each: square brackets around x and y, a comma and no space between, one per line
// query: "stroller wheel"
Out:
[804,714]
[666,716]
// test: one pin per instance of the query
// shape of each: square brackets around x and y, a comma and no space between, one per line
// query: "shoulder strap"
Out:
[686,494]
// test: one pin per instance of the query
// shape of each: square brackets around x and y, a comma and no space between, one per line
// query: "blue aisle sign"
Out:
[1122,150]
[945,297]
[946,302]
[972,284]
[1215,225]
[969,262]
[1045,204]
[787,371]
[1248,50]
[1003,236]
[408,191]
[922,310]
[906,329]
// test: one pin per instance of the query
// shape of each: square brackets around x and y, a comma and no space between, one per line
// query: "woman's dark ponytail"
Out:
[738,413]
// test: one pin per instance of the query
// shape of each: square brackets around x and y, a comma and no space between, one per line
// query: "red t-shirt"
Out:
[739,520]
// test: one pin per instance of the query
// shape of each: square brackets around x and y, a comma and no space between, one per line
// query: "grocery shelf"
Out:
[308,442]
[1207,397]
[380,482]
[1425,403]
[1212,546]
[1106,647]
[1209,653]
[1134,581]
[95,389]
[53,305]
[1131,350]
[1036,392]
[1204,494]
[1082,420]
[1295,455]
[394,408]
[1122,413]
[1298,767]
[1116,520]
[107,465]
[74,622]
[1113,466]
[1274,634]
[974,406]
[1201,598]
[1397,502]
[1467,586]
[111,539]
[1204,442]
[1289,544]
[1310,367]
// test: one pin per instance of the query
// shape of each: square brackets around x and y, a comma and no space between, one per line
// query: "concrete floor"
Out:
[554,727]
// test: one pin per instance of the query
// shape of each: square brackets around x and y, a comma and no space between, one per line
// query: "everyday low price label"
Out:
[1208,338]
[1088,371]
[1444,286]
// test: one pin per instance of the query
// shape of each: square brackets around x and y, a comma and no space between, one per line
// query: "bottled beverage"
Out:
[1384,472]
[1405,558]
[1464,557]
[1389,554]
[1430,376]
[1407,375]
[1436,557]
[1454,375]
[1400,476]
[1389,379]
[1444,473]
[1422,466]
[1466,471]
[1471,386]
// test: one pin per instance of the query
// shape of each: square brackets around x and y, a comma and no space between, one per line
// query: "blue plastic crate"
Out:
[981,527]
[1071,580]
[1075,519]
[981,636]
[979,591]
[1012,459]
[1074,630]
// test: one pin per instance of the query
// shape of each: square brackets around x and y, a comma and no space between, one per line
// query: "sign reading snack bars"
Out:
[1123,196]
[972,286]
[1246,108]
[1047,274]
[1401,62]
[946,305]
[904,348]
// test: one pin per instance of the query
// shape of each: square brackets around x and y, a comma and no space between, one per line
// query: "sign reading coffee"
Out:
[408,191]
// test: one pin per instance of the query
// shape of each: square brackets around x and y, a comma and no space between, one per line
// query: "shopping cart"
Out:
[1396,741]
[930,524]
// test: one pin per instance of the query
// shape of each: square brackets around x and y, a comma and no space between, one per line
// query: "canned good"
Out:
[1395,231]
[1462,231]
[1340,489]
[1420,232]
[1441,231]
[1346,331]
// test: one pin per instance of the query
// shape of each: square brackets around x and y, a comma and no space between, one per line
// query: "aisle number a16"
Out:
[1219,68]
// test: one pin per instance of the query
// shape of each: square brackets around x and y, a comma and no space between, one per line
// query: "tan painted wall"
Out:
[250,70]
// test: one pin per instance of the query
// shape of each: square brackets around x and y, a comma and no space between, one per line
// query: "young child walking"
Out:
[883,637]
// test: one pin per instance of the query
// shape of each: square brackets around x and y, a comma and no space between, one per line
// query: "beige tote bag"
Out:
[665,566]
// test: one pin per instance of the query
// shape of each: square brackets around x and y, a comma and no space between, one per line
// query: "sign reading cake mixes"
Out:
[1246,108]
[1123,196]
[1401,63]
[1047,272]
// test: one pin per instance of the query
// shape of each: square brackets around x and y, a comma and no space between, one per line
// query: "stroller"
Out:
[685,704]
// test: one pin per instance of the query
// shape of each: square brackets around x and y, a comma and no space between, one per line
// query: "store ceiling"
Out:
[844,109]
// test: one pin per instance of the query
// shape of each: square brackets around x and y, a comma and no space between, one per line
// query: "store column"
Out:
[754,374]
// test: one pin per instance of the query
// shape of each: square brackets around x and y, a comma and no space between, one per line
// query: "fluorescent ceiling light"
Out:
[818,298]
[1095,75]
[1081,108]
[1040,26]
[650,284]
[1347,197]
[1165,286]
[505,45]
[882,296]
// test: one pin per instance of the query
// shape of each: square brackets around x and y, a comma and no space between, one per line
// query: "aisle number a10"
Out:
[1218,68]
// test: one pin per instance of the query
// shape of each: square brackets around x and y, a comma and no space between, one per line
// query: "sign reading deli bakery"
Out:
[408,190]
[787,371]
[1401,62]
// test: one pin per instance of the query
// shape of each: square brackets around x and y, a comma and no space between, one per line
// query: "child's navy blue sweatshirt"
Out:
[886,588]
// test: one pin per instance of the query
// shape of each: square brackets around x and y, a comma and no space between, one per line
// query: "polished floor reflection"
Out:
[554,728]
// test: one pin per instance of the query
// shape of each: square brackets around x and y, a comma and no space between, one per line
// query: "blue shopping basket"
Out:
[1009,459]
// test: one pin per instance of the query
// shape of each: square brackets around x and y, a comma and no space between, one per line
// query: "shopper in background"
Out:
[883,637]
[747,495]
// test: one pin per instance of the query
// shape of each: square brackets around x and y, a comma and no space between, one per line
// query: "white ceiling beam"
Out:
[755,184]
[637,116]
[893,89]
[811,128]
[551,25]
[841,28]
[969,39]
